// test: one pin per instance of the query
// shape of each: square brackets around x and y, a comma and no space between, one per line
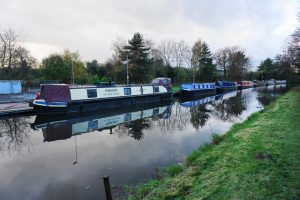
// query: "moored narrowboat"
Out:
[225,86]
[63,98]
[257,83]
[244,84]
[280,82]
[193,90]
[270,82]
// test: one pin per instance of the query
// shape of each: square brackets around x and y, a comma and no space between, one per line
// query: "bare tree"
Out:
[233,62]
[180,52]
[221,58]
[9,46]
[118,47]
[166,51]
[189,63]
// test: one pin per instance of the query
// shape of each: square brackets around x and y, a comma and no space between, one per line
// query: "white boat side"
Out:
[111,121]
[101,93]
[112,92]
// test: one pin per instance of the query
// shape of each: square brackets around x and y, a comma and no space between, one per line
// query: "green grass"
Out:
[176,88]
[257,159]
[174,170]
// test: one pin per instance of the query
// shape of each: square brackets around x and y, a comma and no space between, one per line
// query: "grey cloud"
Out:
[260,27]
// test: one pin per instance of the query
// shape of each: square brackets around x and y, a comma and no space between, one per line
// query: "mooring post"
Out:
[107,187]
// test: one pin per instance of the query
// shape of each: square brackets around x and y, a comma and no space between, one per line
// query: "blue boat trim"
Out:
[197,86]
[50,104]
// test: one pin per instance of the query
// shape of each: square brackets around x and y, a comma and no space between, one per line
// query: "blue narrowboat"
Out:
[193,90]
[225,86]
[280,82]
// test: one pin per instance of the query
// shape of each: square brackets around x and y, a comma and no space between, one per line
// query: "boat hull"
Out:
[103,105]
[226,89]
[197,93]
[241,87]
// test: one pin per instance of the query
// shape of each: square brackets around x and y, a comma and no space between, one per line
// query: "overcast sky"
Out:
[261,27]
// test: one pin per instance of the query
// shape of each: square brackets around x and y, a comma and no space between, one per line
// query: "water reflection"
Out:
[229,106]
[13,134]
[267,94]
[68,156]
[199,111]
[121,122]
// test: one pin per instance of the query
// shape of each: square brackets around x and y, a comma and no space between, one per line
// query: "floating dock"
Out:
[12,109]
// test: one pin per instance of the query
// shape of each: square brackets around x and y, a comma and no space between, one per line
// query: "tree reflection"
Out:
[265,99]
[134,129]
[178,119]
[13,134]
[268,94]
[199,116]
[227,109]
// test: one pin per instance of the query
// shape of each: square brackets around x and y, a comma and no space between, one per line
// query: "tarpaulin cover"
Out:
[56,93]
[10,87]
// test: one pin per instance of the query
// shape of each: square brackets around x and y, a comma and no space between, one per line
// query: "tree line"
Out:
[145,61]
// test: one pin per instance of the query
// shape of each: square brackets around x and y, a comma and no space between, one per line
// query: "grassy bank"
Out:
[257,159]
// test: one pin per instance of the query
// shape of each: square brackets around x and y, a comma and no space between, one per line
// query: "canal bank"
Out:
[256,159]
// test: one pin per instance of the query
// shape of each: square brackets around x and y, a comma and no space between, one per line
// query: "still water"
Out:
[65,158]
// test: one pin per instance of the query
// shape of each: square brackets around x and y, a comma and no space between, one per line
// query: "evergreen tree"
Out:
[139,62]
[267,69]
[238,63]
[205,70]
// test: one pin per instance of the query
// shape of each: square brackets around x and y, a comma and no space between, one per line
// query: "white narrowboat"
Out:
[63,98]
[280,82]
[271,82]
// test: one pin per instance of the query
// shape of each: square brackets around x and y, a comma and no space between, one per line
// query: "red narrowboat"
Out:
[244,84]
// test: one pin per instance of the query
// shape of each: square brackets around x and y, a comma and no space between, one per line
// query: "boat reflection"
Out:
[230,105]
[228,95]
[199,113]
[198,102]
[133,120]
[267,94]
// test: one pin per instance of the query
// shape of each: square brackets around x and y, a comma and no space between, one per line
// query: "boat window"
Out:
[127,91]
[127,117]
[155,111]
[156,89]
[93,124]
[199,86]
[91,93]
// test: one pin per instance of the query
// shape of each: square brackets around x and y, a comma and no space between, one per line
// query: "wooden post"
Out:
[107,187]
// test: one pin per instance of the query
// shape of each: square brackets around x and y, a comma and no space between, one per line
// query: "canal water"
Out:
[65,157]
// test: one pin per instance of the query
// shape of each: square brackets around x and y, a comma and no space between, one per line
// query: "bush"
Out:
[216,139]
[174,170]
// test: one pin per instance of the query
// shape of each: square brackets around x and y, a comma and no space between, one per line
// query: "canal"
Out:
[65,157]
